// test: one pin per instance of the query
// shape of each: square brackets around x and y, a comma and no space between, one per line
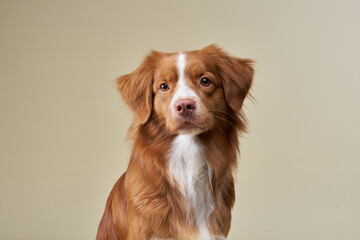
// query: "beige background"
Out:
[63,125]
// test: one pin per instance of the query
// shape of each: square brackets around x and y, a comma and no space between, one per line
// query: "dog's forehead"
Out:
[190,63]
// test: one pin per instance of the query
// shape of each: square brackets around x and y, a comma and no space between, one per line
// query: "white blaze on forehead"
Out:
[182,89]
[181,63]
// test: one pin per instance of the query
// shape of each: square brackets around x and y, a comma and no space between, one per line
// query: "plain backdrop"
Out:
[63,124]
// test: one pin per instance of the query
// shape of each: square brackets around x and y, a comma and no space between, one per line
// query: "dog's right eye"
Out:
[164,87]
[205,82]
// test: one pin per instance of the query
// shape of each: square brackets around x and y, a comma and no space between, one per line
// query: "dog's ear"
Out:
[136,88]
[236,74]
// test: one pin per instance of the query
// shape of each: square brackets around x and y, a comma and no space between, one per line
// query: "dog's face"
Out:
[189,91]
[186,91]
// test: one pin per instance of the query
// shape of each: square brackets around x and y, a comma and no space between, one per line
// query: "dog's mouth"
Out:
[187,126]
[190,126]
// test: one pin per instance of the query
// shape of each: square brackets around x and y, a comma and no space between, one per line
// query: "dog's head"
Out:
[187,91]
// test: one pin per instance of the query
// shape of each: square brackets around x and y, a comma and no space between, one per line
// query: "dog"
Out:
[188,115]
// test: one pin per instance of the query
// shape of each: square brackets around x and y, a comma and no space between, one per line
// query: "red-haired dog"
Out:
[187,118]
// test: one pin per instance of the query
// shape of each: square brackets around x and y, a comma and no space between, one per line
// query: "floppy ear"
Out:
[136,88]
[236,74]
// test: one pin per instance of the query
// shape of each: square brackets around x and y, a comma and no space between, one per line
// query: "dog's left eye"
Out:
[205,82]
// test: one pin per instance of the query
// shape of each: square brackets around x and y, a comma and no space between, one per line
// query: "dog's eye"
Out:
[205,82]
[164,87]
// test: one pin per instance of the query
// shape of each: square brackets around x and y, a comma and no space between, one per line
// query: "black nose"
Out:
[185,106]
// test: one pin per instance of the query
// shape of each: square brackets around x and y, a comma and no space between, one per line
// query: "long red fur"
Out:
[144,204]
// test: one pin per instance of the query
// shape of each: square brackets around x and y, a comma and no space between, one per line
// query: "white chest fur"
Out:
[190,172]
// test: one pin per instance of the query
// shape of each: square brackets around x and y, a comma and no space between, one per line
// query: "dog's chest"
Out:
[190,172]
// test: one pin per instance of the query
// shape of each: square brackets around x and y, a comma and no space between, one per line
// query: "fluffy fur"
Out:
[187,117]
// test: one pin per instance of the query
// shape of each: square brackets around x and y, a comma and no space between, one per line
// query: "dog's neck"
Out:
[219,145]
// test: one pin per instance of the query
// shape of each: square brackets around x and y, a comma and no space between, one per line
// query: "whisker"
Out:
[222,111]
[225,120]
